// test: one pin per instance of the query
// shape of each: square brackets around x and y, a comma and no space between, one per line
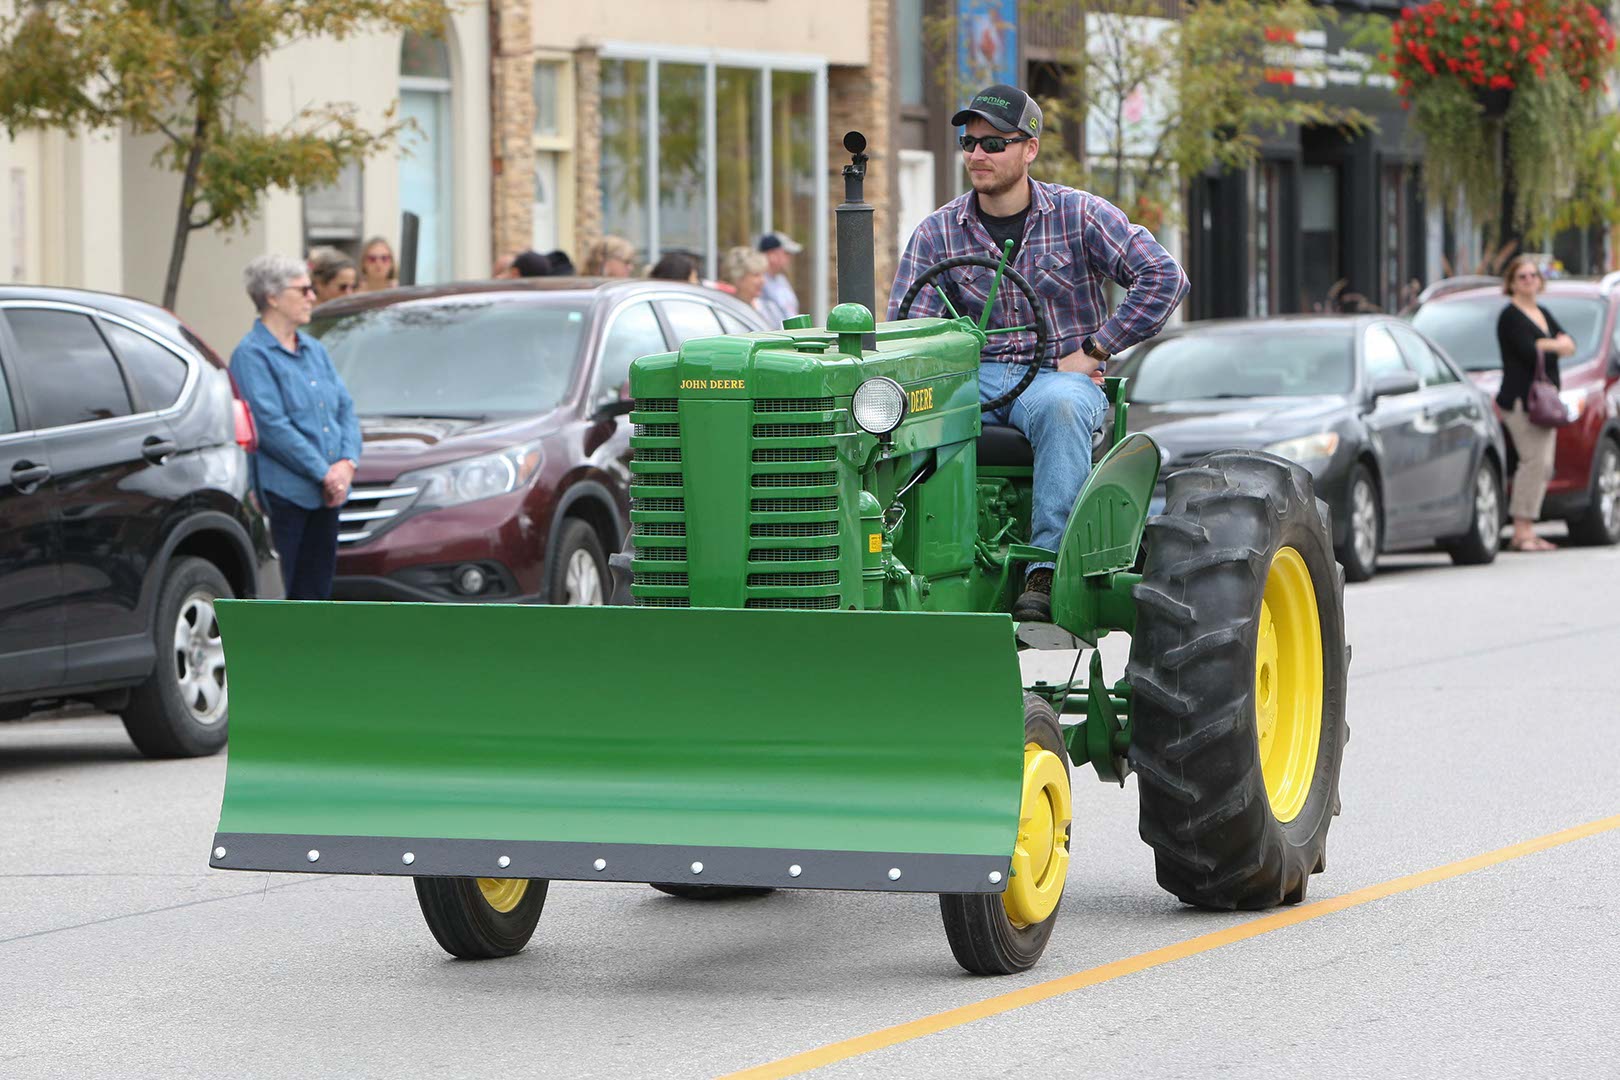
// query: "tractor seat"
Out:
[1004,446]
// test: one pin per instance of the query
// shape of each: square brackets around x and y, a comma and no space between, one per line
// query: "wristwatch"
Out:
[1093,350]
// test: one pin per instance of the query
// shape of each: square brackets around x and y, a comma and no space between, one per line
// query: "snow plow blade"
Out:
[794,749]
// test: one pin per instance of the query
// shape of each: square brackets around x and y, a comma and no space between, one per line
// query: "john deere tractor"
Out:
[816,684]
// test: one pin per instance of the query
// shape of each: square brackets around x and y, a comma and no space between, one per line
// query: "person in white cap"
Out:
[778,301]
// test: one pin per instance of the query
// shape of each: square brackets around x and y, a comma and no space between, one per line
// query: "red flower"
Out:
[1513,44]
[1586,84]
[1501,82]
[1518,20]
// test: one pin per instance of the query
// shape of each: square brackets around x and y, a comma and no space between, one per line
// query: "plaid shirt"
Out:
[1072,240]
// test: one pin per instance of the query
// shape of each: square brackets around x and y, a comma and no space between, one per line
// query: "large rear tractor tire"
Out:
[1003,934]
[1237,671]
[481,918]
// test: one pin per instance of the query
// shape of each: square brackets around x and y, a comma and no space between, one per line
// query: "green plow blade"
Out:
[802,749]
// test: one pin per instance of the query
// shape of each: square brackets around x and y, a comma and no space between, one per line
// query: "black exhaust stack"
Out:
[855,257]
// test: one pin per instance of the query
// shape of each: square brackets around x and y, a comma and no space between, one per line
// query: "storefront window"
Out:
[1319,232]
[624,152]
[1392,271]
[793,172]
[738,150]
[739,143]
[683,164]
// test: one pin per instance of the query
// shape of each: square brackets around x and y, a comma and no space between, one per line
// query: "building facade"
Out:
[92,210]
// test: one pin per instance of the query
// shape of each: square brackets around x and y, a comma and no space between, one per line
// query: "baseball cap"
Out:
[1007,108]
[773,240]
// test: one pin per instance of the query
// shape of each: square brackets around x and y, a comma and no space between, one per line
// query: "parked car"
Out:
[1585,487]
[1403,448]
[126,511]
[496,449]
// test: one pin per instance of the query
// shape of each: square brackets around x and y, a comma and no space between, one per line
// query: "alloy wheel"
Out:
[1608,486]
[583,581]
[1487,509]
[1364,523]
[199,659]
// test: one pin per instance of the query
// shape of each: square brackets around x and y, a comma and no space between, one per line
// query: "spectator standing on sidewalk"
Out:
[309,434]
[332,273]
[778,300]
[611,256]
[378,270]
[744,276]
[1525,331]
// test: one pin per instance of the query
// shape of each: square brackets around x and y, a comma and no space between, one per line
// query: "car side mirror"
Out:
[1395,383]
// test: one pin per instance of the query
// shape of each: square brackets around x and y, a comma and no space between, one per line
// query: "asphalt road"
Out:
[1482,705]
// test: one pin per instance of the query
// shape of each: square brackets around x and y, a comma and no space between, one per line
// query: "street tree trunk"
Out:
[188,197]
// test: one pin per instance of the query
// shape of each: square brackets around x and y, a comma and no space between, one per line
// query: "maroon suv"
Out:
[496,456]
[1585,491]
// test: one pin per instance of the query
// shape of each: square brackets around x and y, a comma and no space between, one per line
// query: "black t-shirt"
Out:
[1517,334]
[1003,229]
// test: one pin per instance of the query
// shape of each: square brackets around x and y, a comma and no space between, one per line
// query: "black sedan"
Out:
[1405,450]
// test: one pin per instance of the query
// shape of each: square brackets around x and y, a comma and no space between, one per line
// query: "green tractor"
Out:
[816,684]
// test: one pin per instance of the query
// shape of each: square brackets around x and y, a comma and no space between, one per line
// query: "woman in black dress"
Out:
[1524,329]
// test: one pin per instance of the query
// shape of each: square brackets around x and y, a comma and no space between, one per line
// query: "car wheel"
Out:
[578,575]
[181,708]
[1366,531]
[1601,522]
[1484,536]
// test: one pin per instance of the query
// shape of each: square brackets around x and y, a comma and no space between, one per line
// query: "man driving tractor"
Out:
[1066,241]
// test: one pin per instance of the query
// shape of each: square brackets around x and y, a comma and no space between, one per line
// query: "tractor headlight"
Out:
[471,479]
[879,405]
[1308,449]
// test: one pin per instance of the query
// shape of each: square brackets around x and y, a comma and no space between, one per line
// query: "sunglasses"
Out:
[1523,275]
[993,144]
[379,258]
[307,290]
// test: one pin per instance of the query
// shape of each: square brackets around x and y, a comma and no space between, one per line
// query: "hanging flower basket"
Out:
[1472,71]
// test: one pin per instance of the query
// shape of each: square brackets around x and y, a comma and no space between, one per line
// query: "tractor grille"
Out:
[794,404]
[801,453]
[810,603]
[657,515]
[819,554]
[794,431]
[795,450]
[806,479]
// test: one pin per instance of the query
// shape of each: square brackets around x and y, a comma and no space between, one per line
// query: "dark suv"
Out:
[1460,314]
[496,455]
[125,512]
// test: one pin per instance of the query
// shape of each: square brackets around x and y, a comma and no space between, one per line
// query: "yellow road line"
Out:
[1029,995]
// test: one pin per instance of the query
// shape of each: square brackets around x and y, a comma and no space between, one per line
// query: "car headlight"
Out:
[1574,403]
[476,478]
[1306,448]
[879,405]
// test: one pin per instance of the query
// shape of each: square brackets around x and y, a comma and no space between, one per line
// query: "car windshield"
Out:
[458,358]
[1466,329]
[1255,363]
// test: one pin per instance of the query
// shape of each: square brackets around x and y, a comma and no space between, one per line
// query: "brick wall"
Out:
[587,152]
[865,99]
[511,126]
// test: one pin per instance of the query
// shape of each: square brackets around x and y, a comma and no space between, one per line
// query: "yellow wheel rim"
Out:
[503,893]
[1041,856]
[1288,684]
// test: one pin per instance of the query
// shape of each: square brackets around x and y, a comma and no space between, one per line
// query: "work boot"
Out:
[1035,604]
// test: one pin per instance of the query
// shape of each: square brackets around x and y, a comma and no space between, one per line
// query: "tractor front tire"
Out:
[1005,933]
[481,918]
[1237,673]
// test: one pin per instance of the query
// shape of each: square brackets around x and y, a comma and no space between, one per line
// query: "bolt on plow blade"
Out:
[839,750]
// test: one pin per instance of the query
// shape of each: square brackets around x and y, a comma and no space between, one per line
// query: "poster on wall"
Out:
[987,43]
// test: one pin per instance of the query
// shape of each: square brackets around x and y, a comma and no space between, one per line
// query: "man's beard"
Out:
[998,185]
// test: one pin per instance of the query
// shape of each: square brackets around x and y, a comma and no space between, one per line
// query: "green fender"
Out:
[1102,537]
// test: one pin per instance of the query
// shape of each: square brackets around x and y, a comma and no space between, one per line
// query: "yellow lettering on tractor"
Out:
[922,400]
[713,384]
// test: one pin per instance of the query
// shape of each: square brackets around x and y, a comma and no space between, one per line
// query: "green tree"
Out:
[181,68]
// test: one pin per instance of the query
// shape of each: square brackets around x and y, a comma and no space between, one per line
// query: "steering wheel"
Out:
[931,275]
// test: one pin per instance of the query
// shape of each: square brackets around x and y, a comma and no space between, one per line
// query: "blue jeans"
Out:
[307,543]
[1057,414]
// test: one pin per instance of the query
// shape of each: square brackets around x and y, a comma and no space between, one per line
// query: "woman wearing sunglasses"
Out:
[309,434]
[377,269]
[1067,244]
[1527,332]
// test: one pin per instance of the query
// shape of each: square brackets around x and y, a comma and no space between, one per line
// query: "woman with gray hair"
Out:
[309,434]
[743,272]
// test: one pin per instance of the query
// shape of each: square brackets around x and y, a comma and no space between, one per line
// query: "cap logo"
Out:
[987,99]
[1032,123]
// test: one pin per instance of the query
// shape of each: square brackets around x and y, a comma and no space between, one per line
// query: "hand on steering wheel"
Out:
[931,275]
